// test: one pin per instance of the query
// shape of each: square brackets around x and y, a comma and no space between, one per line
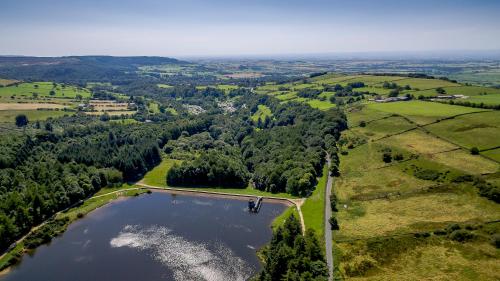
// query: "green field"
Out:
[261,113]
[33,115]
[493,154]
[314,206]
[43,89]
[226,88]
[126,121]
[158,175]
[164,86]
[422,112]
[485,99]
[481,130]
[463,90]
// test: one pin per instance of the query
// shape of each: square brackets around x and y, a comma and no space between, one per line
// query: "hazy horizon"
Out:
[220,28]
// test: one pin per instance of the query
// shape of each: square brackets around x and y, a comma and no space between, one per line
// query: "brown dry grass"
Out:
[111,113]
[383,217]
[28,106]
[419,142]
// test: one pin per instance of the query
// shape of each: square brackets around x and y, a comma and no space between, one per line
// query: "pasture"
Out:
[481,130]
[425,84]
[492,154]
[378,199]
[321,105]
[43,90]
[425,212]
[422,112]
[462,90]
[33,115]
[416,258]
[489,99]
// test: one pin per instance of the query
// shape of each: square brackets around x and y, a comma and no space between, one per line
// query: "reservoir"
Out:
[159,236]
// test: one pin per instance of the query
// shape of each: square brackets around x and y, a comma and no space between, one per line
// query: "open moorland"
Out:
[412,201]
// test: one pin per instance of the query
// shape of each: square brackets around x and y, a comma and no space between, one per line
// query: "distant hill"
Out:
[77,69]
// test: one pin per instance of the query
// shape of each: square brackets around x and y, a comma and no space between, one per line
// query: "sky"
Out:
[183,28]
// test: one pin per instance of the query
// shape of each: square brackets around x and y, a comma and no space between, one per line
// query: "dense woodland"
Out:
[71,158]
[292,256]
[285,154]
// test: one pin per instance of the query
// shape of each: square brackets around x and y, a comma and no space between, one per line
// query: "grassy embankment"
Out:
[314,206]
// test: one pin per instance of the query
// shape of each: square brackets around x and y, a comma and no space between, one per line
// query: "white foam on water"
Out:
[203,203]
[188,260]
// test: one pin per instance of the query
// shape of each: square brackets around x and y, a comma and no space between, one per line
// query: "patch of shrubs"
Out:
[45,233]
[398,157]
[387,157]
[334,224]
[474,151]
[359,268]
[495,240]
[488,190]
[462,235]
[440,232]
[464,178]
[427,174]
[333,202]
[422,235]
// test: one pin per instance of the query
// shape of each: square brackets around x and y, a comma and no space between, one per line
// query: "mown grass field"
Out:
[43,89]
[158,175]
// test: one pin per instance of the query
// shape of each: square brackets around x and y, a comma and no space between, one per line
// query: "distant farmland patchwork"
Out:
[375,84]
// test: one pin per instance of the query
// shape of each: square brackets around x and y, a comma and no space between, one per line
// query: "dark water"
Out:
[156,237]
